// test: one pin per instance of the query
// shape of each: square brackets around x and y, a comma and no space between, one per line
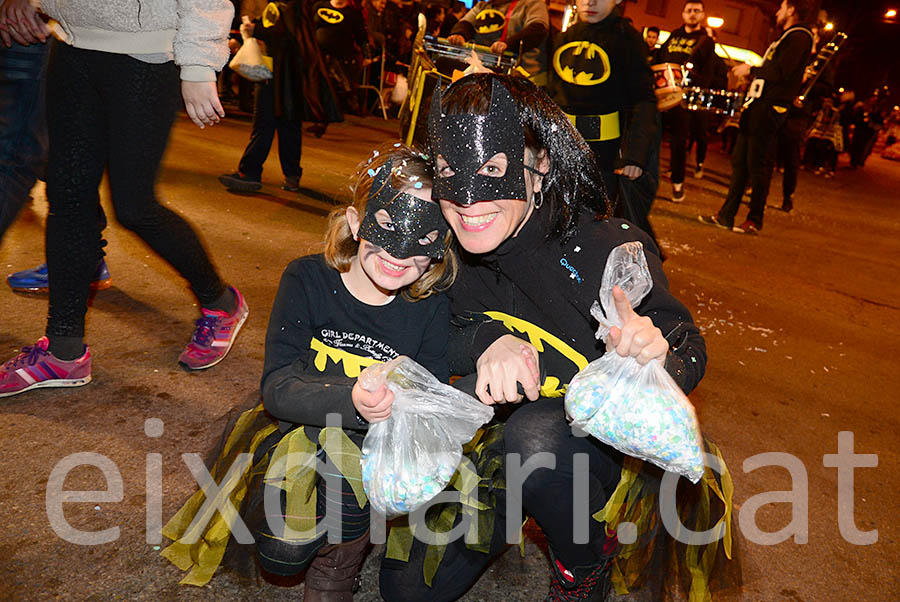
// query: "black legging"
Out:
[281,556]
[110,110]
[547,496]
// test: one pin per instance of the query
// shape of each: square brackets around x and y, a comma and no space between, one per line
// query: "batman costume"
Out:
[538,288]
[320,337]
[522,24]
[599,77]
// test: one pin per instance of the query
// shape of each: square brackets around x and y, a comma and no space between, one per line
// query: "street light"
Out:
[890,14]
[715,22]
[829,26]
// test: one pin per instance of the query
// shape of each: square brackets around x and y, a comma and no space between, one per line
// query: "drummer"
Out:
[519,26]
[690,43]
[603,90]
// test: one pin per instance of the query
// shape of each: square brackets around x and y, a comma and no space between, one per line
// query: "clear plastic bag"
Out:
[249,61]
[410,457]
[636,409]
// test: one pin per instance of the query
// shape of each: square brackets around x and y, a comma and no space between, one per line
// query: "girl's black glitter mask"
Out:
[412,219]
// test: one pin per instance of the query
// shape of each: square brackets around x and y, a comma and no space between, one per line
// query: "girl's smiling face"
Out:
[375,275]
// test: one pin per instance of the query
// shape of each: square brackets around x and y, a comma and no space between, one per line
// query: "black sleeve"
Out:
[292,391]
[794,50]
[263,34]
[433,351]
[686,360]
[642,129]
[704,60]
[531,36]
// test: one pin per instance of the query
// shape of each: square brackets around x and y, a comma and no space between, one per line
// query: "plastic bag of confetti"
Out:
[249,61]
[410,457]
[637,409]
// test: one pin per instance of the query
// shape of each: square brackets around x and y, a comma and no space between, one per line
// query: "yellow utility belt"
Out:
[597,128]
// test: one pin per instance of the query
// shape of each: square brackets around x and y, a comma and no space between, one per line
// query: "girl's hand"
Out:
[508,361]
[638,337]
[201,100]
[374,406]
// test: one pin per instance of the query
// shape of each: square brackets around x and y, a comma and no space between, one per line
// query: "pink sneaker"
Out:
[36,367]
[213,336]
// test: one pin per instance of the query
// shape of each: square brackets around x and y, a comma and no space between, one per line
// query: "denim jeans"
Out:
[23,125]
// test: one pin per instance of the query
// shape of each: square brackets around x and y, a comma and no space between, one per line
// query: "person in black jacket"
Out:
[775,85]
[599,77]
[691,47]
[514,178]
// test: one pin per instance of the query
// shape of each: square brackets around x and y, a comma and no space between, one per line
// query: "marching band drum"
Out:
[672,90]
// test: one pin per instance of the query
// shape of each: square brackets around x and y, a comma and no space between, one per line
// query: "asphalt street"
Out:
[802,324]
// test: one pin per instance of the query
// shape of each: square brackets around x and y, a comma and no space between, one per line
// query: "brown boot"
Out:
[332,576]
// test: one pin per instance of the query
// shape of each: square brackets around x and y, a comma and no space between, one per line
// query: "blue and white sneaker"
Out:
[35,280]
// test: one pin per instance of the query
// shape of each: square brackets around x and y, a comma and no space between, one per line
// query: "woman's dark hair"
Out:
[573,181]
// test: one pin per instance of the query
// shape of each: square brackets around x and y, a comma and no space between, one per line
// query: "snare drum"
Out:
[668,79]
[719,102]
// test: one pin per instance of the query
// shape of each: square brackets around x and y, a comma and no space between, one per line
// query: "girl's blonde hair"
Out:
[410,167]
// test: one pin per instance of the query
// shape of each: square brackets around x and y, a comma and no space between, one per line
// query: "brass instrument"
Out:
[814,70]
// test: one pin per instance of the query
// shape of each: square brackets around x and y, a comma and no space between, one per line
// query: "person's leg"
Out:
[548,494]
[337,511]
[793,140]
[23,125]
[78,136]
[760,162]
[678,133]
[251,164]
[831,156]
[290,138]
[700,125]
[738,183]
[141,101]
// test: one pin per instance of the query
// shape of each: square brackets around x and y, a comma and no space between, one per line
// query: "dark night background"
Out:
[869,58]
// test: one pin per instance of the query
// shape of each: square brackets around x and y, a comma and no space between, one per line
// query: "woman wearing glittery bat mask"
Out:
[518,186]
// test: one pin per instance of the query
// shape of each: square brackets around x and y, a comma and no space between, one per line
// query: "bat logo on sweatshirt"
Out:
[489,20]
[351,363]
[581,63]
[330,16]
[543,341]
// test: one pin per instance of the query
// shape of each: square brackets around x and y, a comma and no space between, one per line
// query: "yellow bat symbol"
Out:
[593,54]
[352,364]
[489,20]
[537,336]
[330,16]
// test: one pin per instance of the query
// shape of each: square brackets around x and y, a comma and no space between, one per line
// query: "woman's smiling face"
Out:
[483,226]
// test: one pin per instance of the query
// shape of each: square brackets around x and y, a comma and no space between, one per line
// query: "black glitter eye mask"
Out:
[412,219]
[467,141]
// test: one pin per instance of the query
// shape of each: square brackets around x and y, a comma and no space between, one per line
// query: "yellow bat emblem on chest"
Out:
[593,68]
[330,16]
[489,20]
[351,363]
[538,337]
